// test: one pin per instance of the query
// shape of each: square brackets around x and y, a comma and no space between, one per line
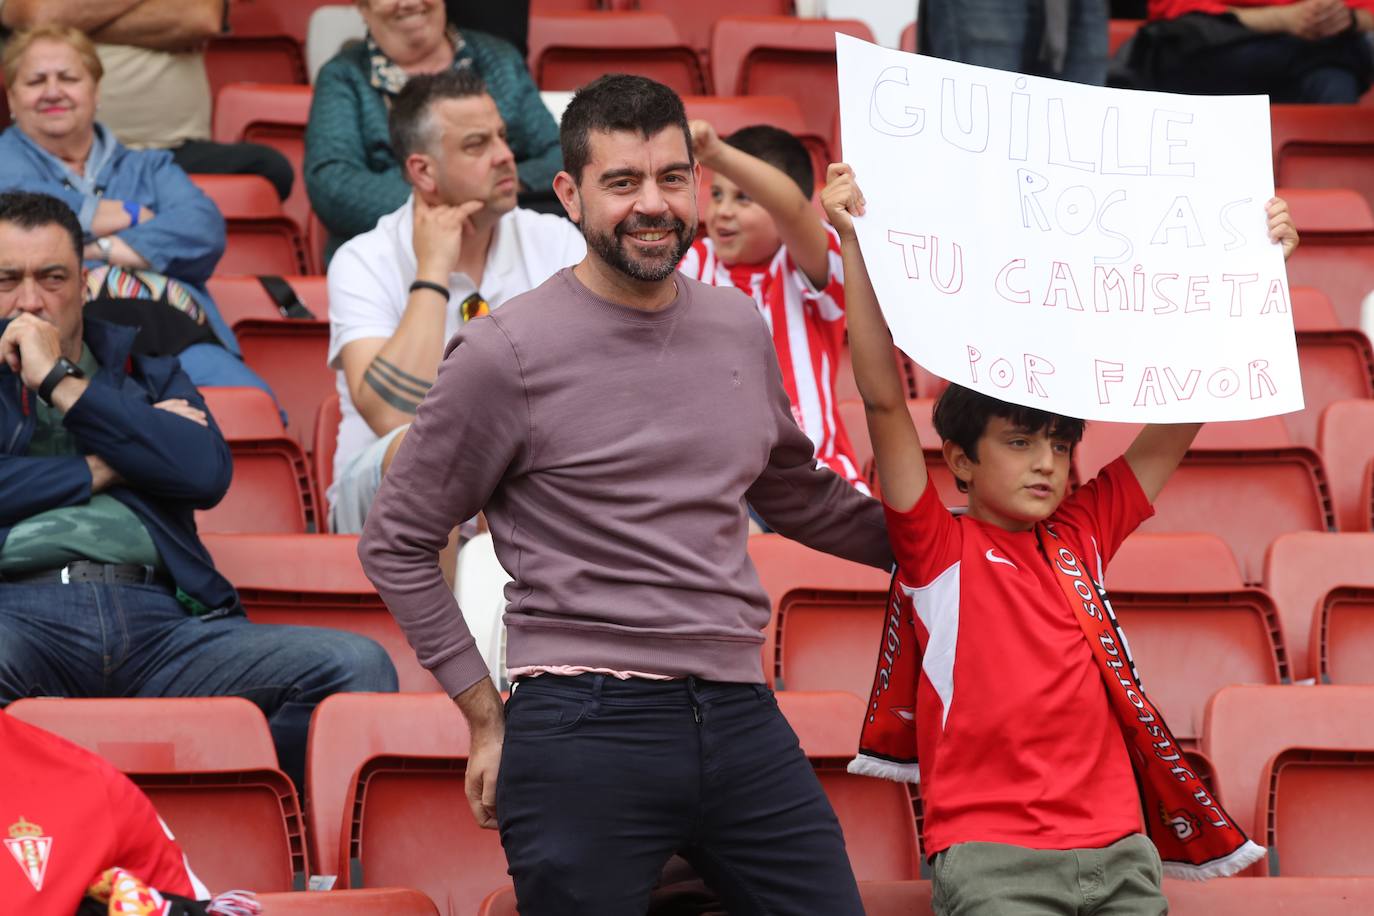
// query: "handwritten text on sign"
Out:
[1095,252]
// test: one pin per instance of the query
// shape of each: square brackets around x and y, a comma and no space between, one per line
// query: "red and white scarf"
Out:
[1196,839]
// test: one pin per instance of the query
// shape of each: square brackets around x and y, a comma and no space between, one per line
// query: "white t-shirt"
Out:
[370,277]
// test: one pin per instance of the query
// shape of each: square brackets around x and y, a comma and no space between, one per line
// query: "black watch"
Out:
[60,370]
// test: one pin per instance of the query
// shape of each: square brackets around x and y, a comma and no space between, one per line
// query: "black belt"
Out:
[84,571]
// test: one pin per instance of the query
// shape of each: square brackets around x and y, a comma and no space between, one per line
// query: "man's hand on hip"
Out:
[486,716]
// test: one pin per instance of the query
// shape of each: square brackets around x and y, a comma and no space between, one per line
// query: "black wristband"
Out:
[60,370]
[433,287]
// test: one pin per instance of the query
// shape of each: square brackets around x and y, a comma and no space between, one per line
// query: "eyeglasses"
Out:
[474,306]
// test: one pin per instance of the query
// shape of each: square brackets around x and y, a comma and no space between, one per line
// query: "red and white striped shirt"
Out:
[807,325]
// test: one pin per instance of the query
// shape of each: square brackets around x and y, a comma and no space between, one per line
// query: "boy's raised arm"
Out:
[896,445]
[1156,452]
[799,228]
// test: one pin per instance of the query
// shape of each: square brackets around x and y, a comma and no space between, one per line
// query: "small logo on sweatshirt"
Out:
[735,378]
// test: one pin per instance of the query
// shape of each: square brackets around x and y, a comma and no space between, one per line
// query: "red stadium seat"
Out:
[775,55]
[1178,562]
[913,376]
[271,490]
[314,580]
[908,39]
[499,903]
[411,827]
[265,43]
[1323,146]
[1345,439]
[1299,569]
[1246,727]
[260,238]
[1318,813]
[1270,897]
[392,901]
[350,728]
[242,299]
[728,113]
[1337,251]
[290,357]
[572,49]
[1312,309]
[243,413]
[1188,645]
[1120,31]
[325,441]
[1343,636]
[852,416]
[875,814]
[693,18]
[1336,364]
[1240,480]
[274,116]
[827,616]
[210,769]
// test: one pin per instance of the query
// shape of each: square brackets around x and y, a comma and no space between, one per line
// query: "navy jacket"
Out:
[172,466]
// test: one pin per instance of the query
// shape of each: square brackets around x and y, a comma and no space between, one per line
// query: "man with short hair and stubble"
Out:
[457,248]
[613,424]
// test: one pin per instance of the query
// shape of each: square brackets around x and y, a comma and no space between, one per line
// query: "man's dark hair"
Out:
[618,102]
[962,415]
[411,121]
[779,149]
[32,210]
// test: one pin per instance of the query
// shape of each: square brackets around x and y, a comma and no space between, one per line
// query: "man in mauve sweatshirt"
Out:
[613,423]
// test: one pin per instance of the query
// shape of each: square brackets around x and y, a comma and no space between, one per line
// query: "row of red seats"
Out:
[1195,625]
[384,784]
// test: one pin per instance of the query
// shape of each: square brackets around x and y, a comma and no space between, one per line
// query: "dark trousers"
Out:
[138,641]
[1284,67]
[602,781]
[209,158]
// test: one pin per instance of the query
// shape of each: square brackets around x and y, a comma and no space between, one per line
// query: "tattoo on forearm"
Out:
[401,390]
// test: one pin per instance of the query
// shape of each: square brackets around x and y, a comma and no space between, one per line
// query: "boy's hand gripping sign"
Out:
[1098,253]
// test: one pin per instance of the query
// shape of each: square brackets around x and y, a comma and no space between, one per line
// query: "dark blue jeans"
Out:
[1284,67]
[602,781]
[1006,35]
[138,641]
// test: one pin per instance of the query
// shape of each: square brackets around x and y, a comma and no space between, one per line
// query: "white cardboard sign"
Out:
[1099,253]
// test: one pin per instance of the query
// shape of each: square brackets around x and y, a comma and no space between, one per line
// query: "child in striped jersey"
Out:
[764,238]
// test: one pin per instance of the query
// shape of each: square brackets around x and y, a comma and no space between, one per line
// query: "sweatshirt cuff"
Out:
[461,671]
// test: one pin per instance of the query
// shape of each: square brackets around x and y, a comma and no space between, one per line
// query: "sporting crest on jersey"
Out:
[30,849]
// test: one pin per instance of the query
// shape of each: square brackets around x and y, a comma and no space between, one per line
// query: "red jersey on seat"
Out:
[65,816]
[1016,740]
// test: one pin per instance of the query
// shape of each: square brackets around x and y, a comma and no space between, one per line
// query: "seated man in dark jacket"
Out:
[105,588]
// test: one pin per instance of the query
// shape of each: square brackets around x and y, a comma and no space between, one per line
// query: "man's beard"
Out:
[647,268]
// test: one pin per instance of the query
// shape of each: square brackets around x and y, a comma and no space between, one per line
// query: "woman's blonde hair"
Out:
[20,42]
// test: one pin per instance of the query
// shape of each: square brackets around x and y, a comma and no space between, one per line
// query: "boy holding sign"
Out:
[1002,661]
[764,239]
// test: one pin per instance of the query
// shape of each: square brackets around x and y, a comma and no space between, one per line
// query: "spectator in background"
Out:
[351,173]
[105,588]
[509,19]
[157,95]
[68,815]
[764,238]
[1064,39]
[1308,51]
[152,238]
[457,247]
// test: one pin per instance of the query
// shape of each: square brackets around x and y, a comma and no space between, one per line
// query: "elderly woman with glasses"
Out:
[351,173]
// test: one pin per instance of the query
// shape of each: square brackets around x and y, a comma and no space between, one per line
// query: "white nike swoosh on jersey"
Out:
[993,558]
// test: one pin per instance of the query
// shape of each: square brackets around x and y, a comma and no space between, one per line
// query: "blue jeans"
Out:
[93,640]
[211,364]
[1286,68]
[1006,35]
[602,781]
